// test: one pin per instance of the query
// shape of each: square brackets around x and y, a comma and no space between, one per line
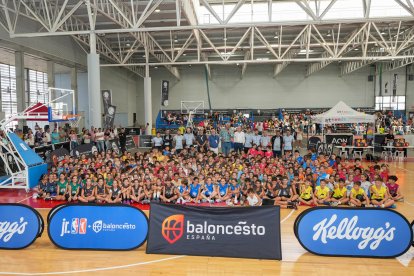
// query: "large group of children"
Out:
[192,177]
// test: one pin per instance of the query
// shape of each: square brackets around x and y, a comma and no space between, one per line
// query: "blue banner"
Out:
[412,228]
[97,227]
[29,156]
[369,232]
[20,226]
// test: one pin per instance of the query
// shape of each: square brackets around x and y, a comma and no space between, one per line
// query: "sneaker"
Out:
[241,202]
[400,200]
[393,206]
[351,204]
[218,200]
[35,195]
[334,204]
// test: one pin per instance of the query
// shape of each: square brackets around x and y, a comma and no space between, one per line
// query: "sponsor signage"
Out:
[87,149]
[97,227]
[132,131]
[353,232]
[130,144]
[313,142]
[114,146]
[145,141]
[248,232]
[339,139]
[20,226]
[412,228]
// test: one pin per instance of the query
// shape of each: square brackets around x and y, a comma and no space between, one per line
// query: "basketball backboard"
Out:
[61,104]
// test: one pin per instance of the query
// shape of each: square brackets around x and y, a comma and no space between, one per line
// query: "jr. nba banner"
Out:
[165,85]
[249,232]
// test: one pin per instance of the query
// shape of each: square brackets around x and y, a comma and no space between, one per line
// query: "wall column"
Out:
[147,98]
[94,85]
[74,86]
[20,87]
[51,73]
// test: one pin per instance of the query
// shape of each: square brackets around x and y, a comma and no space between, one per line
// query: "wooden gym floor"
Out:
[43,258]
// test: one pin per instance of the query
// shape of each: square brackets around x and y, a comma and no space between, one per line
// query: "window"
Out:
[36,87]
[390,103]
[8,89]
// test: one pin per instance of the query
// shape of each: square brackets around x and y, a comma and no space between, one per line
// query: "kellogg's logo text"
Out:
[355,232]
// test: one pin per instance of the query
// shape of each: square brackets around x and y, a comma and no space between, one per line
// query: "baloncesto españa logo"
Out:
[173,229]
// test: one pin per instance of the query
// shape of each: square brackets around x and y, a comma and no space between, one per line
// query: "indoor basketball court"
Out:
[206,137]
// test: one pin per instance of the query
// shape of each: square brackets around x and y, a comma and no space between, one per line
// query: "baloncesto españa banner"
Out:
[227,232]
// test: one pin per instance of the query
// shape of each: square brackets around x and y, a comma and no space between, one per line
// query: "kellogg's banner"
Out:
[353,232]
[412,228]
[20,226]
[97,227]
[250,232]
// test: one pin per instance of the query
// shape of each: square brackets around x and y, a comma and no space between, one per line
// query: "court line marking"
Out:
[288,216]
[93,269]
[24,199]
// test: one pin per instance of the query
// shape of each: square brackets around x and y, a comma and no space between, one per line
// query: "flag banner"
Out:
[110,117]
[106,100]
[165,85]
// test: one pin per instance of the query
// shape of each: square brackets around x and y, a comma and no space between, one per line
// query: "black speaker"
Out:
[370,78]
[411,77]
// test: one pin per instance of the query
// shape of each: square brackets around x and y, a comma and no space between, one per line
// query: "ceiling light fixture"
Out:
[157,10]
[128,44]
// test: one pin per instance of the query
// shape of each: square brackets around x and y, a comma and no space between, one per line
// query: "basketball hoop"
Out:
[73,120]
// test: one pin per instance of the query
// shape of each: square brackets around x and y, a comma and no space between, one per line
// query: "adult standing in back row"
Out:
[226,136]
[288,140]
[277,144]
[239,139]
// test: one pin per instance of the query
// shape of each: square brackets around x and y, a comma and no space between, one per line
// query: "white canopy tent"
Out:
[341,113]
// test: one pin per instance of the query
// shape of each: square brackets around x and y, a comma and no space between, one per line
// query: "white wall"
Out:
[124,92]
[124,86]
[258,89]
